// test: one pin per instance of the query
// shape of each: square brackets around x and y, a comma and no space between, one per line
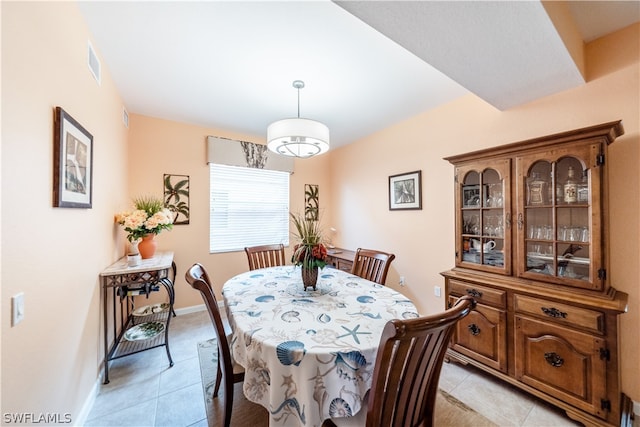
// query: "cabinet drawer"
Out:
[340,263]
[482,335]
[481,294]
[561,362]
[581,318]
[344,265]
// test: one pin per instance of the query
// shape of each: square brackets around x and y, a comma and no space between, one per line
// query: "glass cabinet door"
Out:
[557,217]
[483,216]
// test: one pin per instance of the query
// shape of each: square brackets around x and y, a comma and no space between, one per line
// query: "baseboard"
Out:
[191,309]
[81,418]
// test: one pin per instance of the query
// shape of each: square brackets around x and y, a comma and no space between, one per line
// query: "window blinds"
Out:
[248,207]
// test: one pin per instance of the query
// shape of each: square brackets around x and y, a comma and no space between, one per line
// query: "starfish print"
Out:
[353,332]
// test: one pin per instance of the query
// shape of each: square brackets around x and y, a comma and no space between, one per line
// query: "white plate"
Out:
[144,331]
[151,309]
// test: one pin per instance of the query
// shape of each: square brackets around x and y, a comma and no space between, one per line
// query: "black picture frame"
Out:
[405,191]
[176,197]
[471,197]
[72,163]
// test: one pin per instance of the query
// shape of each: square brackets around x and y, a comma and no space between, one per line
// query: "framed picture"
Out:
[312,202]
[72,163]
[471,197]
[405,191]
[176,197]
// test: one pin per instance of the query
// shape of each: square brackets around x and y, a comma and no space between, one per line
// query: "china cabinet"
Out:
[531,242]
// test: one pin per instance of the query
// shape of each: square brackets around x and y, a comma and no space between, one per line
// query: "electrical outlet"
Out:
[401,281]
[436,291]
[17,308]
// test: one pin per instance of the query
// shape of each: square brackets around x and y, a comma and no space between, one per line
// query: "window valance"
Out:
[224,151]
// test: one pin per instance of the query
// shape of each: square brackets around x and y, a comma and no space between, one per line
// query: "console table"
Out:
[126,283]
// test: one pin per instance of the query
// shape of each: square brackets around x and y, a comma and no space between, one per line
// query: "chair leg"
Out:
[218,378]
[228,402]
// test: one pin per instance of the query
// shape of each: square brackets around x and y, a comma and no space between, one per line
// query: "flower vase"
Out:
[133,248]
[309,277]
[147,247]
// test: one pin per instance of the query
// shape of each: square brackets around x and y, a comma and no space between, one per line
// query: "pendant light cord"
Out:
[298,84]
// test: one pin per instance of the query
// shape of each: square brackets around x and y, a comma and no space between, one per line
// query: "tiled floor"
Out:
[144,391]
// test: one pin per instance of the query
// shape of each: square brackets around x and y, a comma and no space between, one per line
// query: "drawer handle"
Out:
[474,293]
[473,329]
[553,359]
[520,221]
[554,312]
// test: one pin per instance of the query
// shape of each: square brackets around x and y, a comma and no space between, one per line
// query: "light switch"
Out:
[17,306]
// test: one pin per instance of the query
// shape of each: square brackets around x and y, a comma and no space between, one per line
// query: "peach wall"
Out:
[50,361]
[176,148]
[423,240]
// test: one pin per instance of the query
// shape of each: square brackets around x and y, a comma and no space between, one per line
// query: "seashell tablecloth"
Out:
[308,355]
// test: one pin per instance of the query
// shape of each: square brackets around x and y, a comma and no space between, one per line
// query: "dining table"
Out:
[308,354]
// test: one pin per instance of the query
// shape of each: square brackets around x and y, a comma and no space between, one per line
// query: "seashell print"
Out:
[409,315]
[324,318]
[291,316]
[265,298]
[366,299]
[289,406]
[369,315]
[348,365]
[290,352]
[303,301]
[352,284]
[339,408]
[270,284]
[327,276]
[264,375]
[255,276]
[311,332]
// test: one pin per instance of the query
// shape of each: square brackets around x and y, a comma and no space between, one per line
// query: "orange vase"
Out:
[147,247]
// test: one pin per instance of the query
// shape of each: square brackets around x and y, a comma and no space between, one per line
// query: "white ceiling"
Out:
[231,64]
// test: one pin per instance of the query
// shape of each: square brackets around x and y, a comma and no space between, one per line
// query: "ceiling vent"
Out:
[93,62]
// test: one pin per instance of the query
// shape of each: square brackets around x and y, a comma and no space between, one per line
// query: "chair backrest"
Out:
[265,256]
[408,364]
[372,265]
[198,278]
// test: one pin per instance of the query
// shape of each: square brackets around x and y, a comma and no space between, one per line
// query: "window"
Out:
[248,207]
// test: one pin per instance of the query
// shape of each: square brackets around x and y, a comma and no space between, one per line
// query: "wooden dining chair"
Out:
[265,256]
[227,369]
[407,370]
[372,265]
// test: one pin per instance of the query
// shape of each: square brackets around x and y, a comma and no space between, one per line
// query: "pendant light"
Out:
[298,137]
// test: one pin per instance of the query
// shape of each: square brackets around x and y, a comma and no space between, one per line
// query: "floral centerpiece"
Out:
[310,253]
[148,218]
